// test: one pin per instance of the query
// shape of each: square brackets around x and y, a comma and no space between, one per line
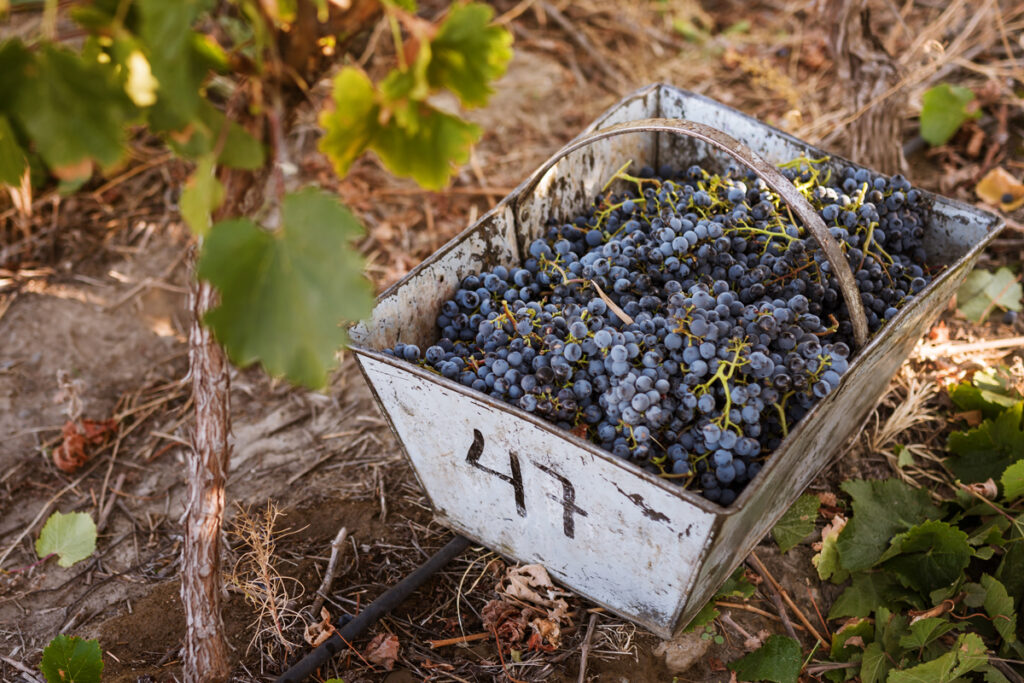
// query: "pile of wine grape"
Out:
[687,321]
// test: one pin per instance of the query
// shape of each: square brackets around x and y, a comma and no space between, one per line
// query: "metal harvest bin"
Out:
[643,547]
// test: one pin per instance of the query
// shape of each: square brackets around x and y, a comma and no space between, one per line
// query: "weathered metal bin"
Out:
[643,547]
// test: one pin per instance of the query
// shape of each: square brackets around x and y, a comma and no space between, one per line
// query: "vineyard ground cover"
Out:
[124,343]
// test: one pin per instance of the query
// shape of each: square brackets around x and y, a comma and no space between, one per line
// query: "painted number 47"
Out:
[515,479]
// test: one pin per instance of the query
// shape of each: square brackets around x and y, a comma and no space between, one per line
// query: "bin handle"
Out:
[764,170]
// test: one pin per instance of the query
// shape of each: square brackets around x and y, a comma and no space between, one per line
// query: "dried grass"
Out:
[255,575]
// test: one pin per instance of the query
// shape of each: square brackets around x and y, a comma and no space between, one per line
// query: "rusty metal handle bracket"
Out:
[764,170]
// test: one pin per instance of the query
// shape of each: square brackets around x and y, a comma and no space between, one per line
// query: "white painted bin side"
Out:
[516,487]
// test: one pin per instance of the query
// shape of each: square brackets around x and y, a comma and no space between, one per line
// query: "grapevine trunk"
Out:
[205,652]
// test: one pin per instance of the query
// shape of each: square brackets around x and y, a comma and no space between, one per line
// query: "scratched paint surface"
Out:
[593,524]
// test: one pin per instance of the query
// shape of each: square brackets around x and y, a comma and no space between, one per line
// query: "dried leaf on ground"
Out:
[71,454]
[998,186]
[532,583]
[382,650]
[508,622]
[316,634]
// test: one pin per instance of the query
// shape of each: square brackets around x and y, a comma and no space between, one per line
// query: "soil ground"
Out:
[101,304]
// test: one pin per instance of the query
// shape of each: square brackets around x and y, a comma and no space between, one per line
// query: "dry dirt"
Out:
[115,325]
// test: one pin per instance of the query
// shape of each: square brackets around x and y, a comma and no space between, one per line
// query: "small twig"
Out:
[585,650]
[501,656]
[789,601]
[950,348]
[621,314]
[105,513]
[337,545]
[32,675]
[815,669]
[458,640]
[755,610]
[731,623]
[824,623]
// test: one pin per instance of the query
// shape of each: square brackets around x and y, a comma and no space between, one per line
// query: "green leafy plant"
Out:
[797,523]
[944,109]
[71,537]
[72,660]
[984,291]
[736,586]
[212,80]
[778,660]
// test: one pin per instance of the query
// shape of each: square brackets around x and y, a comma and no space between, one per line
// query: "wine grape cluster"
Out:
[686,322]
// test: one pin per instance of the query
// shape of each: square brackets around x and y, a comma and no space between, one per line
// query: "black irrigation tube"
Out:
[392,598]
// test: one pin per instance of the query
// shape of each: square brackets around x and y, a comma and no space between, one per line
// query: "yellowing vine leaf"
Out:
[349,126]
[468,52]
[285,295]
[72,537]
[202,194]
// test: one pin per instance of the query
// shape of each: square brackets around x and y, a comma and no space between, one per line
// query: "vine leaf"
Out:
[928,556]
[778,660]
[416,140]
[74,110]
[944,109]
[874,665]
[999,607]
[349,127]
[881,509]
[202,194]
[468,52]
[165,29]
[924,631]
[987,450]
[12,156]
[797,523]
[1013,481]
[72,537]
[990,391]
[982,291]
[966,655]
[72,660]
[285,294]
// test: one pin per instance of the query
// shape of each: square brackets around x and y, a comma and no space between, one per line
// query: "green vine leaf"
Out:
[427,153]
[874,665]
[986,451]
[967,654]
[1013,481]
[286,294]
[926,631]
[72,537]
[779,660]
[999,607]
[944,109]
[984,291]
[12,156]
[881,509]
[797,523]
[72,660]
[74,110]
[929,556]
[468,52]
[165,30]
[990,391]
